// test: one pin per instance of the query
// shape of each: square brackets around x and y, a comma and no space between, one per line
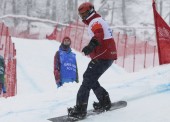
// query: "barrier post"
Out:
[134,54]
[117,45]
[145,54]
[75,34]
[82,38]
[154,48]
[124,55]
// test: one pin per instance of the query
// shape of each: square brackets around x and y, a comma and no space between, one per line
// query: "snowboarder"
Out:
[2,75]
[102,51]
[65,64]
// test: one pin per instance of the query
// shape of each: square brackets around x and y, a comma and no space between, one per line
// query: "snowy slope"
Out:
[38,98]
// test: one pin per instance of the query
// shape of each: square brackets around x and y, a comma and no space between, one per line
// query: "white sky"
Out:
[147,92]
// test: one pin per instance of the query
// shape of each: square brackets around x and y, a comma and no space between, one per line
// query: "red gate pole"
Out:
[82,38]
[117,45]
[1,33]
[69,30]
[145,55]
[124,50]
[76,34]
[56,34]
[134,54]
[154,48]
[61,32]
[15,72]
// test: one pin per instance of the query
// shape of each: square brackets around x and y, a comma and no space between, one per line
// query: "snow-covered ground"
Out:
[38,98]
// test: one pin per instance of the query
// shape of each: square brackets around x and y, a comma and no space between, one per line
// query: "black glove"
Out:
[94,42]
[90,47]
[87,50]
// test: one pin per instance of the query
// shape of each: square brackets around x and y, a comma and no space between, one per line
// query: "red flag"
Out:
[53,35]
[163,37]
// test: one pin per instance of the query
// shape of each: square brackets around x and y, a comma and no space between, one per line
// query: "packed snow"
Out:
[38,98]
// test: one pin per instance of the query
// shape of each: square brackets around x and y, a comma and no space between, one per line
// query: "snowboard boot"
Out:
[78,111]
[102,105]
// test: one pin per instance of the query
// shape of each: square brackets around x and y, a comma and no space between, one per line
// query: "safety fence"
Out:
[8,52]
[133,54]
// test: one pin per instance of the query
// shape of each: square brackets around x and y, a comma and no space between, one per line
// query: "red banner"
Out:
[53,35]
[163,37]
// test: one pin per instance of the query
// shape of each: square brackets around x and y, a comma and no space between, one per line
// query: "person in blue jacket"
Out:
[65,64]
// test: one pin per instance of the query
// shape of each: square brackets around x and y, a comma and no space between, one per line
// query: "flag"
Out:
[163,37]
[53,35]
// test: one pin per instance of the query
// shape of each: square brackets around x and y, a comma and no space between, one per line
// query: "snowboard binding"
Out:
[76,113]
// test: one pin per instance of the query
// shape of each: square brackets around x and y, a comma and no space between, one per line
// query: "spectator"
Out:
[65,64]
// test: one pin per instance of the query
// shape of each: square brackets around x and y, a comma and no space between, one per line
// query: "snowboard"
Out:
[91,112]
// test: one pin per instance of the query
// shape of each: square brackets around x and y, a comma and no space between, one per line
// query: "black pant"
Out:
[90,81]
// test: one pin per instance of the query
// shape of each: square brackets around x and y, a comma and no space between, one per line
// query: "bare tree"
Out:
[75,14]
[112,13]
[48,9]
[103,9]
[124,12]
[34,3]
[4,8]
[124,15]
[29,7]
[161,7]
[54,8]
[70,9]
[28,12]
[14,10]
[92,1]
[1,5]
